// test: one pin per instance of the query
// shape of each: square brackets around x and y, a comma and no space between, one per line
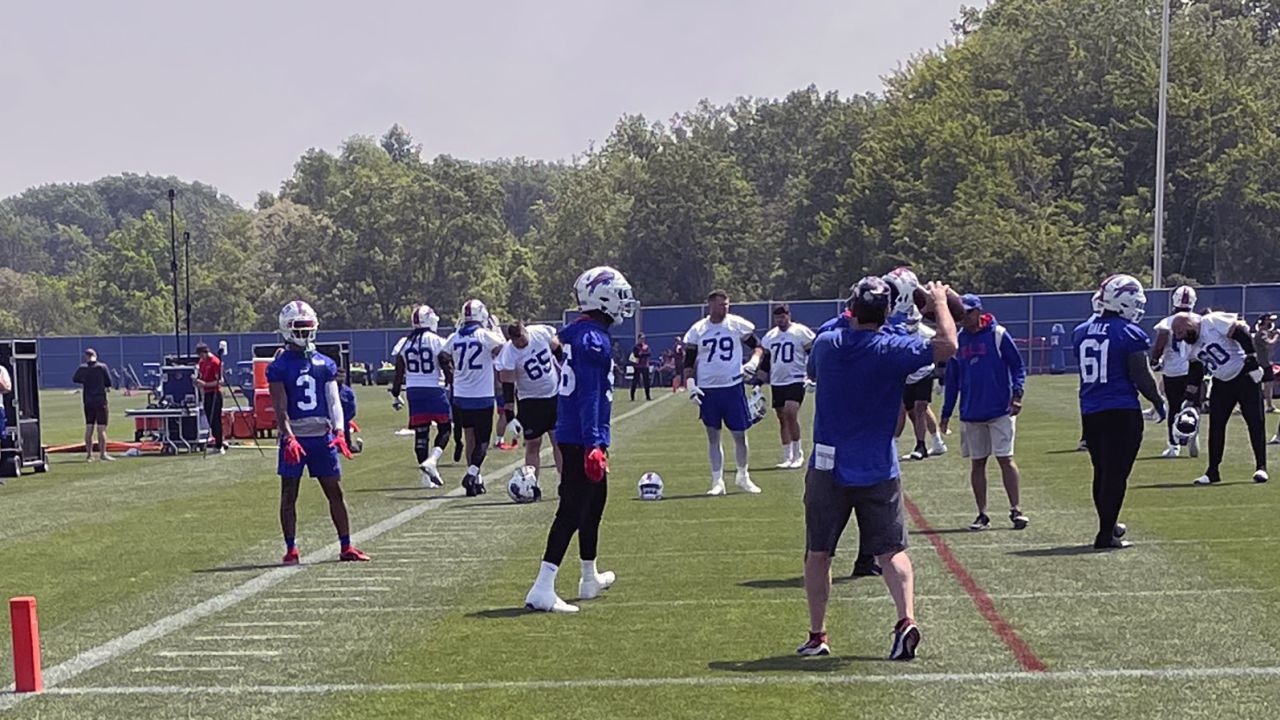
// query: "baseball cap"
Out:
[971,301]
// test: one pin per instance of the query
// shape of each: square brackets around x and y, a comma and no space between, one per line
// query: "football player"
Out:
[1170,353]
[713,372]
[1221,345]
[787,346]
[584,405]
[469,353]
[425,380]
[1112,353]
[528,367]
[304,394]
[918,395]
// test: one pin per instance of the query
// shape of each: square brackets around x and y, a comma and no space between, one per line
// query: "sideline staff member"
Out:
[209,381]
[6,386]
[96,379]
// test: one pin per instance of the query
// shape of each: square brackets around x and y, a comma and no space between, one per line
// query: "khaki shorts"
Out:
[984,439]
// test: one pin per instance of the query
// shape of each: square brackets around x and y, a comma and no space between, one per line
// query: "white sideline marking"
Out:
[906,678]
[217,653]
[220,638]
[114,648]
[379,578]
[300,599]
[274,623]
[340,588]
[172,668]
[328,609]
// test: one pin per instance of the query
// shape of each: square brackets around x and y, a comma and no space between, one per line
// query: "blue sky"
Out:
[232,92]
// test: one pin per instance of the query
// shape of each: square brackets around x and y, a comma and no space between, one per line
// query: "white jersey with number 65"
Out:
[536,373]
[719,349]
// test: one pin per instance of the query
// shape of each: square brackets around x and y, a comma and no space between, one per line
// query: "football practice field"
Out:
[159,595]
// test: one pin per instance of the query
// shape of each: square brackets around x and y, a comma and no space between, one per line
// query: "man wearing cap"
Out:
[209,382]
[96,379]
[987,374]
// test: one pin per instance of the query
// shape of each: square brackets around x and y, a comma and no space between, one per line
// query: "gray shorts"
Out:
[882,528]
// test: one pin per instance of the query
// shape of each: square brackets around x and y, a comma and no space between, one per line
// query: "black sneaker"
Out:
[469,484]
[1110,543]
[982,522]
[865,566]
[816,645]
[906,638]
[1020,521]
[457,452]
[1119,530]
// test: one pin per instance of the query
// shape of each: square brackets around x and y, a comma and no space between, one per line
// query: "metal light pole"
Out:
[1157,254]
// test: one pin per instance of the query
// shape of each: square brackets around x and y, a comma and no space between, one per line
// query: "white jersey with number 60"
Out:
[788,352]
[1221,356]
[472,351]
[719,349]
[421,364]
[536,373]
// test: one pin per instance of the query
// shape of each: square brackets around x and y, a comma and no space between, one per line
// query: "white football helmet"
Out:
[298,324]
[650,486]
[607,290]
[1183,298]
[1097,302]
[904,283]
[1123,295]
[474,311]
[424,318]
[1186,424]
[523,486]
[757,406]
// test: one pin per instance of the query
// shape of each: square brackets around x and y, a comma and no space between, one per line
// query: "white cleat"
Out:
[1261,476]
[1205,480]
[717,487]
[786,464]
[589,588]
[1172,451]
[430,475]
[743,481]
[1275,439]
[939,447]
[547,601]
[797,463]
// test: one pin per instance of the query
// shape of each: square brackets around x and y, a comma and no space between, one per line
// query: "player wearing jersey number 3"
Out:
[304,393]
[1112,353]
[583,411]
[713,372]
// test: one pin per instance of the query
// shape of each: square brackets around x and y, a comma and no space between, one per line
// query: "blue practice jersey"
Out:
[861,375]
[586,384]
[1103,346]
[304,377]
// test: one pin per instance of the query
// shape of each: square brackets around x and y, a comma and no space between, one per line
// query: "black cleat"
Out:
[982,522]
[1111,543]
[1119,530]
[469,484]
[1020,521]
[457,452]
[865,566]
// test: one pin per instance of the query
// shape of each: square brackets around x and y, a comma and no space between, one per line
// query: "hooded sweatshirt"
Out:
[985,375]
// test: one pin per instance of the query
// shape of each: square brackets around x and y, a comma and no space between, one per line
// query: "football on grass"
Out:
[956,307]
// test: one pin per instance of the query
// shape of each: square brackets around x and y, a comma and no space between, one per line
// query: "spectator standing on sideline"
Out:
[209,383]
[6,386]
[987,375]
[95,377]
[640,355]
[1264,342]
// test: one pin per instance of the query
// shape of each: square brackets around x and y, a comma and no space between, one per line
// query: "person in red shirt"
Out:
[209,381]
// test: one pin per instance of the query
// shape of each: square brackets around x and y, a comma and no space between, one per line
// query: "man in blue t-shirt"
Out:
[310,422]
[1112,354]
[860,374]
[583,415]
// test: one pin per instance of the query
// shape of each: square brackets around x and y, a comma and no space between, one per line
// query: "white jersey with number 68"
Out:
[719,350]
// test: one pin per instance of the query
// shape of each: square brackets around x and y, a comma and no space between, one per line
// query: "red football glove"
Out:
[596,465]
[293,452]
[353,425]
[339,443]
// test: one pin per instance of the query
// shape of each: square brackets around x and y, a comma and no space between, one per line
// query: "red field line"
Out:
[986,607]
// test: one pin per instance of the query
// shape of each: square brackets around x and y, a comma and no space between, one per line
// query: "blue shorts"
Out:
[499,402]
[467,403]
[726,405]
[3,421]
[321,461]
[427,405]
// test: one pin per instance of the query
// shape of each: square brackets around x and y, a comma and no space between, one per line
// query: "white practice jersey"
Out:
[537,375]
[473,361]
[1175,360]
[1222,357]
[719,350]
[421,365]
[788,352]
[926,333]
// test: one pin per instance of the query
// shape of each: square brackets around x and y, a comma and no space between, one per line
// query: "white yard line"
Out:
[114,648]
[185,669]
[905,678]
[338,589]
[274,623]
[229,638]
[217,653]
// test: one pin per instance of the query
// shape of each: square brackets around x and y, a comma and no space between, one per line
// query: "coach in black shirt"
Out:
[96,379]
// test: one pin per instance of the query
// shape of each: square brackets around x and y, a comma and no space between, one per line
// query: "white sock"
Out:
[436,453]
[740,451]
[588,568]
[786,452]
[473,470]
[546,577]
[796,452]
[717,476]
[937,438]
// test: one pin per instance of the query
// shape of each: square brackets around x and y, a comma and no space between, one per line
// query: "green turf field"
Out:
[159,597]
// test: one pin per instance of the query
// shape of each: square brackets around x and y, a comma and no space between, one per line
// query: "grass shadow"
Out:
[793,663]
[1061,551]
[1070,451]
[960,531]
[1182,485]
[397,488]
[239,568]
[692,496]
[501,613]
[774,583]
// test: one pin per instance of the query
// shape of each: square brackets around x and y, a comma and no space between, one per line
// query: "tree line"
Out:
[1018,157]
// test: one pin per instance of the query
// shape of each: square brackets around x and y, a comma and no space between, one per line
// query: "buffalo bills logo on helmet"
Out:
[604,277]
